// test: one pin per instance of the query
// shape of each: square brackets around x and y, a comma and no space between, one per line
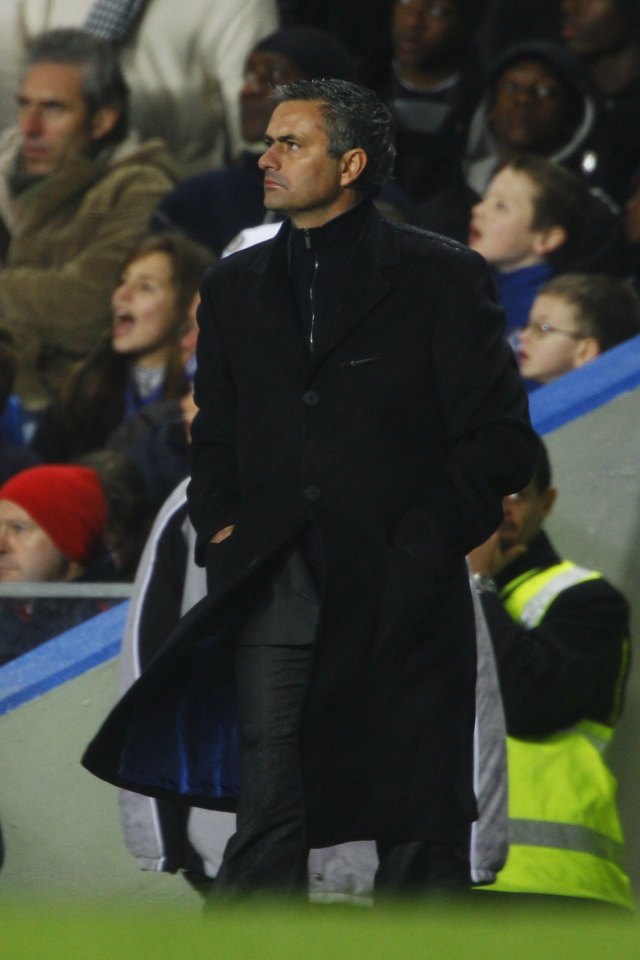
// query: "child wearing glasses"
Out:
[525,227]
[574,318]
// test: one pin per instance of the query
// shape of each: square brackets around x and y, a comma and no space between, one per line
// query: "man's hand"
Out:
[493,555]
[222,534]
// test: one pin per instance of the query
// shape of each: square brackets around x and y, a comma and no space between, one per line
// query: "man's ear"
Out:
[550,496]
[103,122]
[353,163]
[546,241]
[586,350]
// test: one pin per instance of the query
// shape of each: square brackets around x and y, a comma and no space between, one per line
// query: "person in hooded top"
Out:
[539,100]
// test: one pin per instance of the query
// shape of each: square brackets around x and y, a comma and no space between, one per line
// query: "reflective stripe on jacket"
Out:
[564,831]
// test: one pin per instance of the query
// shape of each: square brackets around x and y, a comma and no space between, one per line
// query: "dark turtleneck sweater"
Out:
[320,266]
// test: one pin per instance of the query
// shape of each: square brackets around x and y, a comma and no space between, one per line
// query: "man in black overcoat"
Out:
[360,419]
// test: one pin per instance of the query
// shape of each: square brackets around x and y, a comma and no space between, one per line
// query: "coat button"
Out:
[310,398]
[312,493]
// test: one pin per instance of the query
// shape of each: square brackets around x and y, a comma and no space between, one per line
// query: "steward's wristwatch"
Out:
[484,583]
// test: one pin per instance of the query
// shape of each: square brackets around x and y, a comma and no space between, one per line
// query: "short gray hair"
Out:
[103,84]
[354,117]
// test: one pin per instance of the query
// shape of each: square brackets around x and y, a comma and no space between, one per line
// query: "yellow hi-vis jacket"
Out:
[564,832]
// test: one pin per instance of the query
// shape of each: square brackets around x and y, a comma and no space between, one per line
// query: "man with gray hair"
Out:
[76,193]
[360,419]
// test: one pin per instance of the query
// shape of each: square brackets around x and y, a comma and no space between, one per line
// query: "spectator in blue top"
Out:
[530,217]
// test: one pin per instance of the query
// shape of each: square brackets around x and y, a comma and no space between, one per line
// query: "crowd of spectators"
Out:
[495,124]
[131,164]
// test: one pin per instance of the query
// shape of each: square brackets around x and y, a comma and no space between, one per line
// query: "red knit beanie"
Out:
[67,502]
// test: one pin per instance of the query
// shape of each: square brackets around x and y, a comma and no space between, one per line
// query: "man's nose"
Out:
[30,122]
[269,159]
[524,94]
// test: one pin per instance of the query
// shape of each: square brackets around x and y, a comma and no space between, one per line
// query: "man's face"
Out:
[531,108]
[524,514]
[501,223]
[53,116]
[300,178]
[591,27]
[264,71]
[27,553]
[424,31]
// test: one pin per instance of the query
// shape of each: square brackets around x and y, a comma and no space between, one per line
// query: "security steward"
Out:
[560,633]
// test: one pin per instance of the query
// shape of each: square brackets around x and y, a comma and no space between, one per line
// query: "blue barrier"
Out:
[61,659]
[98,640]
[608,376]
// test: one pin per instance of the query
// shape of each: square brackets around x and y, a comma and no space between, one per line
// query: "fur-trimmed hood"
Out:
[481,159]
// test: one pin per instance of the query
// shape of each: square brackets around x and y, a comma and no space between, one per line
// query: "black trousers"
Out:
[269,851]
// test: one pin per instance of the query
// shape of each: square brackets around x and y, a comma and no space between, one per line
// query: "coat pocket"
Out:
[217,563]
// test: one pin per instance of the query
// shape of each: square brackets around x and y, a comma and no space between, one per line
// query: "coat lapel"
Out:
[67,184]
[368,283]
[367,286]
[275,300]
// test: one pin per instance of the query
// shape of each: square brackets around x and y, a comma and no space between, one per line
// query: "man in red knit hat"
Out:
[52,524]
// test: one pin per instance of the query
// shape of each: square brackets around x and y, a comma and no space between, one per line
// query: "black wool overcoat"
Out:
[396,440]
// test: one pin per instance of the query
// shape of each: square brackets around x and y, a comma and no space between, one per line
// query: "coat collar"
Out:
[72,180]
[374,254]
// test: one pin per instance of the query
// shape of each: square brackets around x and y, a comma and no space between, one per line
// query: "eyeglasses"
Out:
[538,330]
[537,91]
